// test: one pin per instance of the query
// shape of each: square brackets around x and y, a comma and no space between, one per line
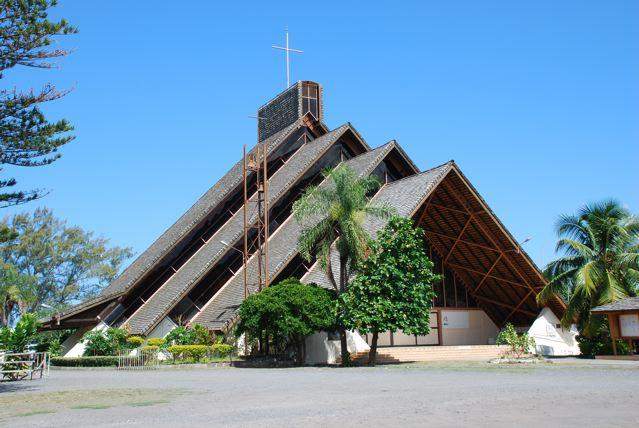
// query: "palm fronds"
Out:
[599,260]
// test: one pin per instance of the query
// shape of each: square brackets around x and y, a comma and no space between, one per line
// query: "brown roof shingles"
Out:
[282,248]
[205,258]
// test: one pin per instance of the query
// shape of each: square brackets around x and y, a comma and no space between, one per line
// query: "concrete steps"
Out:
[405,354]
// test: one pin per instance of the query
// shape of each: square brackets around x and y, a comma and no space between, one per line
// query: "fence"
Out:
[20,365]
[140,359]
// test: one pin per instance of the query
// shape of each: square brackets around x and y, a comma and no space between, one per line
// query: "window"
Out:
[310,99]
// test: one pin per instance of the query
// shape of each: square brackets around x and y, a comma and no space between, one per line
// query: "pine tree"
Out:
[27,138]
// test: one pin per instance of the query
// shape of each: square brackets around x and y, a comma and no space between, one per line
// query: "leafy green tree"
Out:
[181,335]
[16,291]
[17,339]
[599,261]
[393,287]
[334,215]
[27,138]
[285,314]
[66,264]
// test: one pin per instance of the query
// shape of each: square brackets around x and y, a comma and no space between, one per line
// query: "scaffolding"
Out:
[257,163]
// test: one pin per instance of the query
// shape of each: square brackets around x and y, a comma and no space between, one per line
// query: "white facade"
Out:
[73,345]
[321,350]
[550,338]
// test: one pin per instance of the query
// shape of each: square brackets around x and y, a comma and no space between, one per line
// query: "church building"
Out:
[194,274]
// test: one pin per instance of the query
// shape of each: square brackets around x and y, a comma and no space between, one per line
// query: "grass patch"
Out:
[148,403]
[35,412]
[91,406]
[22,405]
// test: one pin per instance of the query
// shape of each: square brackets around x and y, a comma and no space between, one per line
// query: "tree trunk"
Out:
[343,280]
[372,354]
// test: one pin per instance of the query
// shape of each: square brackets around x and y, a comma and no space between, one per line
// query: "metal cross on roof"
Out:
[288,61]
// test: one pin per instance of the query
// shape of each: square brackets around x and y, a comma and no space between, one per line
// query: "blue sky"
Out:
[538,102]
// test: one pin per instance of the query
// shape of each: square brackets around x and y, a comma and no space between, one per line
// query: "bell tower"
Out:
[301,98]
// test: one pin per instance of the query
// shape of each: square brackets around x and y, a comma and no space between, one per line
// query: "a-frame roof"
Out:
[221,309]
[186,223]
[496,286]
[175,288]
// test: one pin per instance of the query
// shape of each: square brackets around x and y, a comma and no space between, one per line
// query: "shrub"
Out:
[285,313]
[156,341]
[109,342]
[202,335]
[96,361]
[181,336]
[520,344]
[18,338]
[135,341]
[117,336]
[188,352]
[601,345]
[51,341]
[222,350]
[150,349]
[96,344]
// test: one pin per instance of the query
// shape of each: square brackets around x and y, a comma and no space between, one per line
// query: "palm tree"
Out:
[334,214]
[599,262]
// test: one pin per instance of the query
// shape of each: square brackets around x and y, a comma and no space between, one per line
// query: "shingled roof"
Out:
[404,195]
[627,304]
[184,225]
[220,309]
[176,287]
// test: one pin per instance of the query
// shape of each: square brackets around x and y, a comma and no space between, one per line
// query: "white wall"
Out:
[551,338]
[467,327]
[321,350]
[73,346]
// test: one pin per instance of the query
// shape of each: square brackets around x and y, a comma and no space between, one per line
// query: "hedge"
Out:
[100,361]
[195,352]
[155,341]
[222,349]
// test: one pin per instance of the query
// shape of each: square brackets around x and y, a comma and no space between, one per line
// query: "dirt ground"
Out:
[444,394]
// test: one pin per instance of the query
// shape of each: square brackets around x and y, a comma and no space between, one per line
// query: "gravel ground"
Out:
[445,394]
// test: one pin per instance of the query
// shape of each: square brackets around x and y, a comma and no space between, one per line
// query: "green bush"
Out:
[96,361]
[51,341]
[97,344]
[109,342]
[202,335]
[181,336]
[156,341]
[222,350]
[118,337]
[135,341]
[601,345]
[150,349]
[520,344]
[188,352]
[17,339]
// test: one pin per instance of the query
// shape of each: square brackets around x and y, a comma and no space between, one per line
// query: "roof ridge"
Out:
[449,163]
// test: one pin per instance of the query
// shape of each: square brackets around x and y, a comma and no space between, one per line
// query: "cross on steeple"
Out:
[288,61]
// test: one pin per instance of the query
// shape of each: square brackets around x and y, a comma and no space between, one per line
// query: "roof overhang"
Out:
[475,245]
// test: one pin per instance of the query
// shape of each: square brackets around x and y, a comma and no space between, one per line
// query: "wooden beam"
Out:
[461,233]
[487,274]
[488,236]
[497,278]
[505,257]
[473,244]
[444,207]
[518,306]
[505,305]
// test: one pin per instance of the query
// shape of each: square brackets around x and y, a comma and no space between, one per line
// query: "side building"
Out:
[193,274]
